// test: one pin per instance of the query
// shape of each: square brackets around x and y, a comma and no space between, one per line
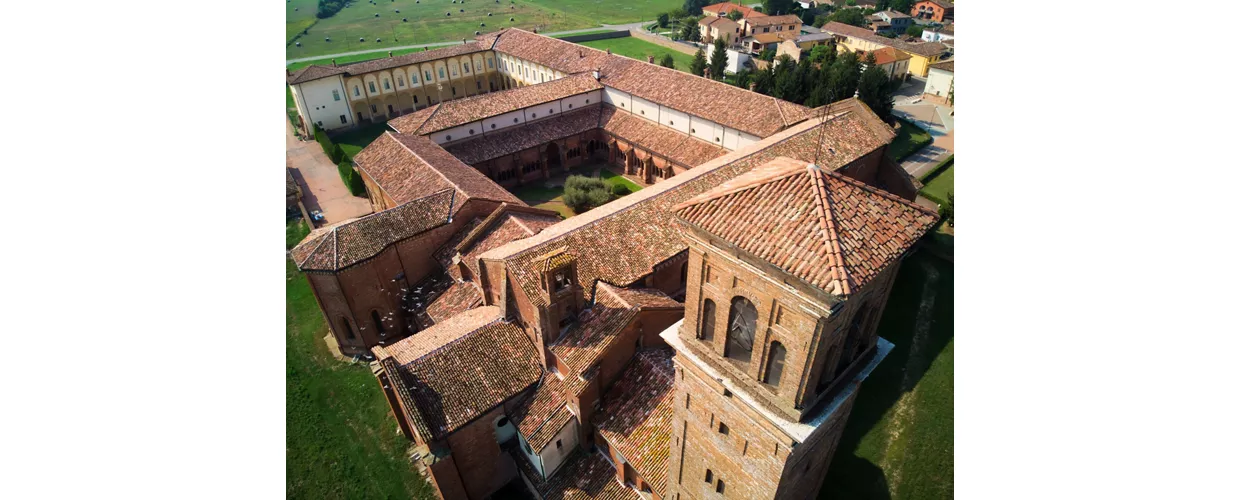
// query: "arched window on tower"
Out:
[742,322]
[348,332]
[707,324]
[374,317]
[775,363]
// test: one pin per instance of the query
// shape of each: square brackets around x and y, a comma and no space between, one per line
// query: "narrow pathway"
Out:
[613,27]
[320,181]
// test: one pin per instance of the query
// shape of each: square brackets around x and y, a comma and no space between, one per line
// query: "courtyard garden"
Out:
[638,49]
[356,27]
[898,442]
[549,194]
[909,139]
[341,439]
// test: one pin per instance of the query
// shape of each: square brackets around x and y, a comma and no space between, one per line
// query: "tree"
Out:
[667,61]
[690,31]
[901,5]
[678,13]
[843,76]
[914,30]
[663,19]
[874,89]
[698,66]
[849,16]
[743,78]
[882,4]
[694,7]
[788,80]
[734,15]
[719,59]
[758,9]
[583,193]
[768,55]
[764,81]
[777,7]
[823,54]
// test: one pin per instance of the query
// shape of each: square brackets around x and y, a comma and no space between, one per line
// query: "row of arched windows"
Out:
[739,340]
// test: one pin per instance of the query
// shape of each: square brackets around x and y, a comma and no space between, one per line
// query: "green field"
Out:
[350,59]
[898,442]
[639,49]
[428,22]
[341,439]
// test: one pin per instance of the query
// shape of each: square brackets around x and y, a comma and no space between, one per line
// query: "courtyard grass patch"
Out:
[429,22]
[614,179]
[898,442]
[939,185]
[637,48]
[341,439]
[353,141]
[541,195]
[908,140]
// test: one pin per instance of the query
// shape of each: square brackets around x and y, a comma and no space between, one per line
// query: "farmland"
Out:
[427,21]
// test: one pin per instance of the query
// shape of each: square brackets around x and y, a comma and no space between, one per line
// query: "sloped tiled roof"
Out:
[506,224]
[726,7]
[604,238]
[411,348]
[407,167]
[313,72]
[833,232]
[459,297]
[679,147]
[583,476]
[341,245]
[383,63]
[457,112]
[887,55]
[466,377]
[716,101]
[928,49]
[773,20]
[543,413]
[948,66]
[636,417]
[517,138]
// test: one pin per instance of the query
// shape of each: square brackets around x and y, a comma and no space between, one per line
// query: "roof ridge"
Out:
[438,106]
[882,193]
[611,291]
[335,248]
[832,235]
[313,251]
[423,160]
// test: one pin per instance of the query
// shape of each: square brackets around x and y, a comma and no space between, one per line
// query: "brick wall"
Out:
[483,467]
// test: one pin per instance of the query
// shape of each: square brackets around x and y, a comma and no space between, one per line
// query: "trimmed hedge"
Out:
[934,172]
[351,177]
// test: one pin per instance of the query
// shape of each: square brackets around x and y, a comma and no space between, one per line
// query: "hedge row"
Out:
[343,162]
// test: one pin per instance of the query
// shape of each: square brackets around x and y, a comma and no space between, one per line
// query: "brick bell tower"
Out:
[780,326]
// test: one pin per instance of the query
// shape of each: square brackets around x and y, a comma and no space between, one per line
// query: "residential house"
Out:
[712,27]
[852,38]
[762,41]
[890,21]
[723,9]
[802,44]
[941,81]
[940,34]
[893,61]
[771,24]
[934,10]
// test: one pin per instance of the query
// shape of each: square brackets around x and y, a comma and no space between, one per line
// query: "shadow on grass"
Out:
[855,470]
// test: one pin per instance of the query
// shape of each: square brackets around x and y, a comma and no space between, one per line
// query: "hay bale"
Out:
[404,19]
[299,44]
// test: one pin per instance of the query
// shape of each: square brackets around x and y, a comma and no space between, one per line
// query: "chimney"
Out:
[389,53]
[650,59]
[333,62]
[597,74]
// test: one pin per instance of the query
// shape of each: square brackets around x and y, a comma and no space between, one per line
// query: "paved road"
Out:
[320,182]
[613,27]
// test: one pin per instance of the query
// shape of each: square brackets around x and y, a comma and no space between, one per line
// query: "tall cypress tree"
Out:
[718,59]
[874,89]
[699,63]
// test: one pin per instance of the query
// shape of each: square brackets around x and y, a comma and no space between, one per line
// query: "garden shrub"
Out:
[620,189]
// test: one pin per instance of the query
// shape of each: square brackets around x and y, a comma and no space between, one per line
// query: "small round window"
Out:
[449,138]
[514,120]
[471,131]
[492,125]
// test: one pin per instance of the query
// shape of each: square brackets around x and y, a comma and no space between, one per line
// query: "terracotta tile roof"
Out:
[521,137]
[945,30]
[773,37]
[737,108]
[341,245]
[893,14]
[457,112]
[773,20]
[885,55]
[833,232]
[928,49]
[948,66]
[598,328]
[940,3]
[458,298]
[407,167]
[409,349]
[726,7]
[383,63]
[541,407]
[450,385]
[636,417]
[583,476]
[681,148]
[605,239]
[313,72]
[506,224]
[723,22]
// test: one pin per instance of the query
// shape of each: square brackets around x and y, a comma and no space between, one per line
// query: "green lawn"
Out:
[429,22]
[353,141]
[341,439]
[591,32]
[639,49]
[898,442]
[908,140]
[939,185]
[295,232]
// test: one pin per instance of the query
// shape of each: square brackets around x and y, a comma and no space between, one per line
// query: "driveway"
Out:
[320,182]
